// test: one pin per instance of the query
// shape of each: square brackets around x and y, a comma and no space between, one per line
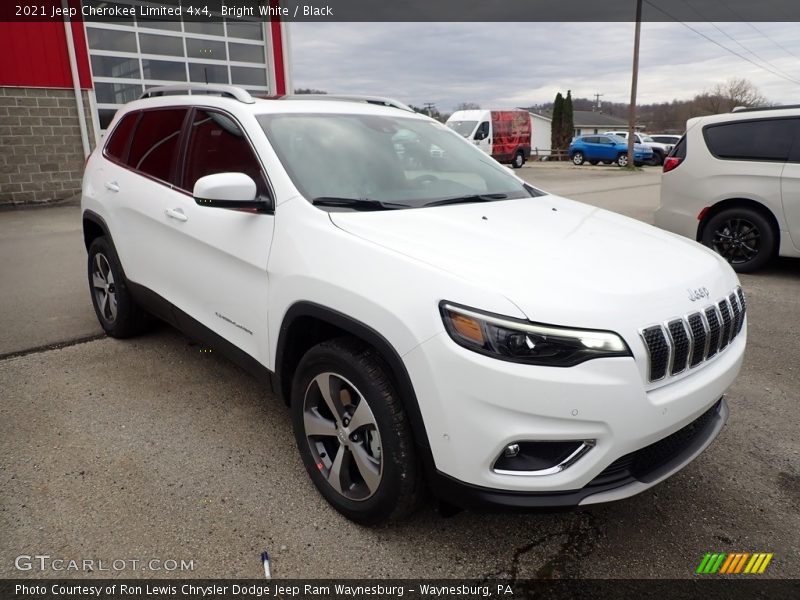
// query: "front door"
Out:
[218,256]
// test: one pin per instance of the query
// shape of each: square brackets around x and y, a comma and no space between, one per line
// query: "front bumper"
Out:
[625,477]
[473,406]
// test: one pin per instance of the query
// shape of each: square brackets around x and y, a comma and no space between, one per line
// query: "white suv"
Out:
[434,324]
[660,150]
[733,183]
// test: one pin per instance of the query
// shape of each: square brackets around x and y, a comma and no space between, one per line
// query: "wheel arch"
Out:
[306,324]
[740,203]
[93,227]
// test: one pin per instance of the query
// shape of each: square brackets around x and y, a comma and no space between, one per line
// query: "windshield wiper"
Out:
[356,203]
[468,199]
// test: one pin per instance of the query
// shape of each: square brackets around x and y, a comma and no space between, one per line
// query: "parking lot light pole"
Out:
[634,82]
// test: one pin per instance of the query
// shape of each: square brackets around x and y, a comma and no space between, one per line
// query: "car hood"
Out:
[559,261]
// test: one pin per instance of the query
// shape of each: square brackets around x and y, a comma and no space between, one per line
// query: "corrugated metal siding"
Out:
[35,55]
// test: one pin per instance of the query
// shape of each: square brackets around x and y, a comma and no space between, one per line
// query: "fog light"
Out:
[540,458]
[511,450]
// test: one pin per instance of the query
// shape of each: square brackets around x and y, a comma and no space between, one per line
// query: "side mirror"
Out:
[227,190]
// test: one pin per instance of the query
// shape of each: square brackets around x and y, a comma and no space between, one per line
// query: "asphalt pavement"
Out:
[152,450]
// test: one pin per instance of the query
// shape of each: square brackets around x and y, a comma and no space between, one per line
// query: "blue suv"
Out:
[608,149]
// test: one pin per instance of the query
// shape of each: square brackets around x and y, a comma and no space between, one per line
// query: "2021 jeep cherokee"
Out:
[435,323]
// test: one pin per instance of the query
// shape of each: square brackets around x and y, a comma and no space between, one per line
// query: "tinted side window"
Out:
[155,143]
[601,140]
[679,149]
[218,145]
[117,144]
[765,139]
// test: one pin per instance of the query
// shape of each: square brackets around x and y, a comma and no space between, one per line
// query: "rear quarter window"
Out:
[117,144]
[762,139]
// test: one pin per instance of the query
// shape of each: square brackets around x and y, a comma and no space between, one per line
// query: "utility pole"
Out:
[597,101]
[429,107]
[634,82]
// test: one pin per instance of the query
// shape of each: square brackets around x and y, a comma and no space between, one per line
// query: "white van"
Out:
[505,135]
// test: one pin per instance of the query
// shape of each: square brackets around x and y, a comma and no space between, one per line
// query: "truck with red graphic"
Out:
[505,135]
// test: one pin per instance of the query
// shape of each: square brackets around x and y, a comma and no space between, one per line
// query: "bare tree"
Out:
[468,106]
[724,97]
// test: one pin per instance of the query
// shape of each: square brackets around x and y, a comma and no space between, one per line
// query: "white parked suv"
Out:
[660,150]
[733,183]
[436,324]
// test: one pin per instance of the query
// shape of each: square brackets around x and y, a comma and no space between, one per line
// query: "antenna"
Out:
[597,101]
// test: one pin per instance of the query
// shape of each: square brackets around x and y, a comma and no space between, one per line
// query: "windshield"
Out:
[465,128]
[647,138]
[618,140]
[392,161]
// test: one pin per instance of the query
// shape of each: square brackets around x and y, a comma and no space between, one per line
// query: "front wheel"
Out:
[622,160]
[519,160]
[352,432]
[577,158]
[742,236]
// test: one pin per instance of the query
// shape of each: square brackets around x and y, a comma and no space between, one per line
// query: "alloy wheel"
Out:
[737,241]
[104,287]
[343,436]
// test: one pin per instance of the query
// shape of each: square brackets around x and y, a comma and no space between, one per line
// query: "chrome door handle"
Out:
[176,213]
[112,185]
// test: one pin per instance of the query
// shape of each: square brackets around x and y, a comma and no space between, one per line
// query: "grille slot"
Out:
[698,330]
[737,315]
[725,312]
[680,345]
[659,350]
[714,330]
[688,341]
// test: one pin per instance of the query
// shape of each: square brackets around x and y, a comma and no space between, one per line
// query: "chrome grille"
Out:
[686,342]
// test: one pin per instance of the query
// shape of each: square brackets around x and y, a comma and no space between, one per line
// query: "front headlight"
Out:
[525,342]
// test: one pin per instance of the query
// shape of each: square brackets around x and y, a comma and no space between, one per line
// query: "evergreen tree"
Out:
[558,116]
[567,121]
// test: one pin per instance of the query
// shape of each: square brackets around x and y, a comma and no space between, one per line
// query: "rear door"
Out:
[790,189]
[137,185]
[217,256]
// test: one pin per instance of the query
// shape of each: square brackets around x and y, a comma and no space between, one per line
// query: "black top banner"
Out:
[404,10]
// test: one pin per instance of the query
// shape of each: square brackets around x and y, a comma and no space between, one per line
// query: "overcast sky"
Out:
[502,65]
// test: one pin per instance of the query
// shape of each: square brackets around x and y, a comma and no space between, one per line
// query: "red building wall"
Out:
[34,54]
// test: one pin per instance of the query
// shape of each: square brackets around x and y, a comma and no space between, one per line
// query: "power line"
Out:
[756,29]
[715,42]
[737,42]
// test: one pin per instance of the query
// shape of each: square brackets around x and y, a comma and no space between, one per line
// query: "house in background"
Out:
[587,122]
[541,129]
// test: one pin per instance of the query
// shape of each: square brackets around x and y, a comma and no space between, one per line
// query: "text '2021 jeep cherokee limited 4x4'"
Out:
[434,323]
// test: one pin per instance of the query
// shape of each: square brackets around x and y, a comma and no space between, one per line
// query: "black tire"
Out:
[638,164]
[622,159]
[355,373]
[593,162]
[742,236]
[578,158]
[116,310]
[519,160]
[657,160]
